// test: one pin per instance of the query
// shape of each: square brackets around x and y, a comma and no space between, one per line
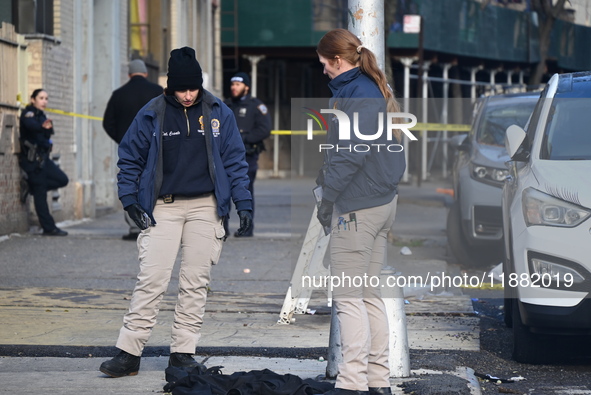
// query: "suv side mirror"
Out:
[460,142]
[514,139]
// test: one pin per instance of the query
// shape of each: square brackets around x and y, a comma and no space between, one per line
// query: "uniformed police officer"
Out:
[254,123]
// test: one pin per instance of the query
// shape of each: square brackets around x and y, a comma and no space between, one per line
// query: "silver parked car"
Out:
[474,220]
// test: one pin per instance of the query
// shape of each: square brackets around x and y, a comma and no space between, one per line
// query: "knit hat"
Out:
[137,66]
[241,77]
[184,71]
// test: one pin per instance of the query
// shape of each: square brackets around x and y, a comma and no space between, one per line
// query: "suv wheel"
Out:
[530,347]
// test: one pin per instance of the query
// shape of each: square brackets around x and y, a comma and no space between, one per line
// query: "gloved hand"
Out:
[324,213]
[139,216]
[245,222]
[320,177]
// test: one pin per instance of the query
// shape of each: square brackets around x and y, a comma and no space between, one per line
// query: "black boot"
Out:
[380,391]
[181,360]
[124,364]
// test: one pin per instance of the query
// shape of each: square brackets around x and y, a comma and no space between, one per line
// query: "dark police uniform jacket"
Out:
[254,122]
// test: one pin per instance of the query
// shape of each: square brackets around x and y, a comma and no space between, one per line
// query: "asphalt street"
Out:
[62,299]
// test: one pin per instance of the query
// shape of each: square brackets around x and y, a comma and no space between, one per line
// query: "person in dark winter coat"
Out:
[41,174]
[359,198]
[180,163]
[124,104]
[254,122]
[126,101]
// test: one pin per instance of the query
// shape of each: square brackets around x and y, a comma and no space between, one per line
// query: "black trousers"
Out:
[47,178]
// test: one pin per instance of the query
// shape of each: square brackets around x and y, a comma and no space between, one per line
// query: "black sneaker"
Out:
[55,232]
[124,364]
[248,234]
[181,360]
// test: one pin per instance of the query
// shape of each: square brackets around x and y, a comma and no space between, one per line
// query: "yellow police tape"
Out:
[72,114]
[487,286]
[429,127]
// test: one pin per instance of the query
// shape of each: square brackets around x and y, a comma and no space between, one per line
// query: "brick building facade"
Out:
[79,59]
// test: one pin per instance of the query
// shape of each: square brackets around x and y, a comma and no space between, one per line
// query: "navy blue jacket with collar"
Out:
[354,179]
[140,157]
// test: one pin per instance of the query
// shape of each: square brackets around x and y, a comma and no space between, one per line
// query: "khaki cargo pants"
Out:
[357,254]
[194,225]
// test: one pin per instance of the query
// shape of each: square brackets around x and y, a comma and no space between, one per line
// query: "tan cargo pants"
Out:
[358,252]
[192,224]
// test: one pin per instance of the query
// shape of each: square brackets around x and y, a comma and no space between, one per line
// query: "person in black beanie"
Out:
[254,123]
[180,164]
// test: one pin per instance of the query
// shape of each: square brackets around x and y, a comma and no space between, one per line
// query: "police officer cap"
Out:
[241,77]
[184,71]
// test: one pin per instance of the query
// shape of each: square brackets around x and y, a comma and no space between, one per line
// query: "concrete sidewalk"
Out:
[62,299]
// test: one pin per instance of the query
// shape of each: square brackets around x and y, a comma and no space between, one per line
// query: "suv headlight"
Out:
[488,175]
[542,209]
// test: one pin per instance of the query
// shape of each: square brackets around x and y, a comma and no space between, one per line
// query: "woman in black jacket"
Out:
[42,174]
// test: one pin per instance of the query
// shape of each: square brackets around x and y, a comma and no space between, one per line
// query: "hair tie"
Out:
[359,48]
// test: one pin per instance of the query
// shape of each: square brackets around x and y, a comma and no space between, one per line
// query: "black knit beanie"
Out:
[184,71]
[241,77]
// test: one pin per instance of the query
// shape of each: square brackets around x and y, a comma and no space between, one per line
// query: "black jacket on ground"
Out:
[203,381]
[124,104]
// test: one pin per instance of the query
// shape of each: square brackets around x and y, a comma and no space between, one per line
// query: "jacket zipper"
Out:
[188,126]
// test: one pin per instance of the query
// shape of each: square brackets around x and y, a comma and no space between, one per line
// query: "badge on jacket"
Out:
[263,109]
[215,126]
[29,114]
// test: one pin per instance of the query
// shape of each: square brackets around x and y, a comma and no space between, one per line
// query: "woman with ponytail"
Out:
[359,184]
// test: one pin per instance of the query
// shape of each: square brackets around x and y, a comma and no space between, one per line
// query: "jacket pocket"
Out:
[218,240]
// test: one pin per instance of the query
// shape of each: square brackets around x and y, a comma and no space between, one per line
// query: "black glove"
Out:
[245,222]
[324,213]
[320,177]
[139,216]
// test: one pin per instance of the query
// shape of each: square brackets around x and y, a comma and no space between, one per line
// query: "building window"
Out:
[32,16]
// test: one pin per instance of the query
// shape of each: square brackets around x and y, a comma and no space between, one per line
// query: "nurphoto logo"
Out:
[344,125]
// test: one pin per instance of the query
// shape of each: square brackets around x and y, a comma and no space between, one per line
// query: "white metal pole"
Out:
[254,61]
[425,119]
[493,74]
[444,116]
[366,21]
[399,350]
[406,62]
[473,72]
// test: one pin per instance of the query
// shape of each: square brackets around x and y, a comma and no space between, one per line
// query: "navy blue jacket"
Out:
[140,157]
[355,180]
[31,128]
